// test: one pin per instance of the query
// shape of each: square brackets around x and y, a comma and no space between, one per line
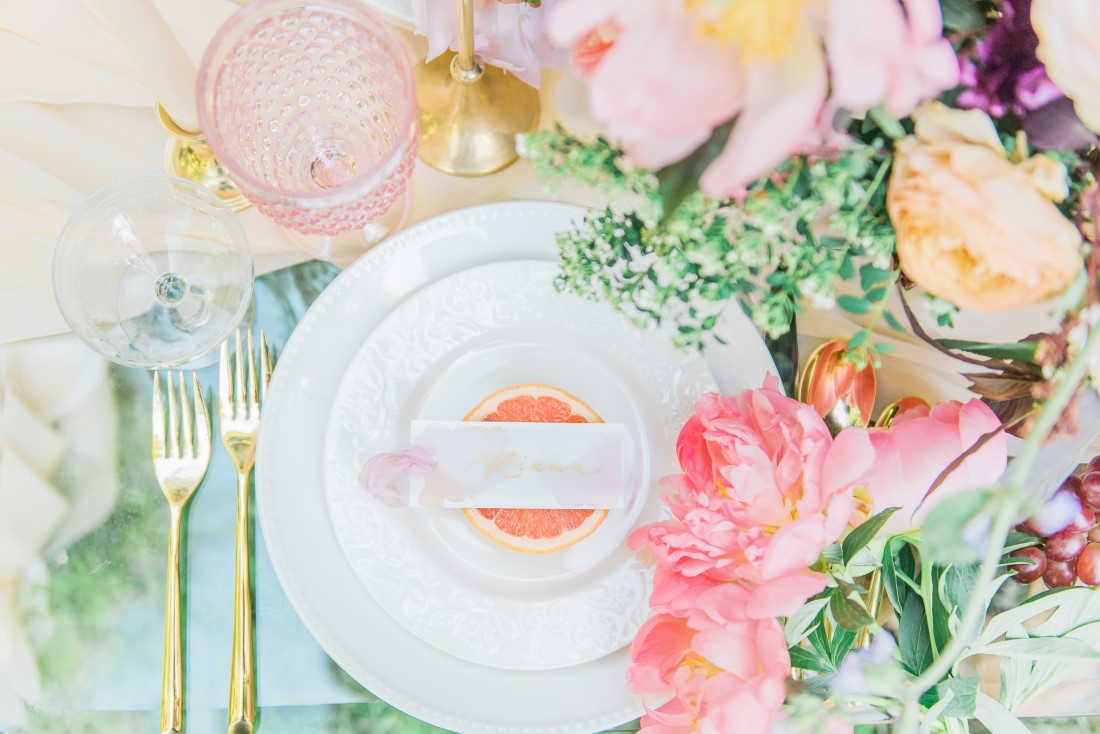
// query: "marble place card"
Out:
[520,465]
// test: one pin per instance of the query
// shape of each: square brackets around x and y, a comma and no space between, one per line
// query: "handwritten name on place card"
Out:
[521,465]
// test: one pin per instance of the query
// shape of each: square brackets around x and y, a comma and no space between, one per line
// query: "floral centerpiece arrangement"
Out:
[800,154]
[890,158]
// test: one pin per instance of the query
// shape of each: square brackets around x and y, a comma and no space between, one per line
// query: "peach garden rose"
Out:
[974,227]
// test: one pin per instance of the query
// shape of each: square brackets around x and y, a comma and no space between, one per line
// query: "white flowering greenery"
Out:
[661,254]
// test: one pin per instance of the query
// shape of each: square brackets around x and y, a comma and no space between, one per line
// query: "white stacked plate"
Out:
[416,604]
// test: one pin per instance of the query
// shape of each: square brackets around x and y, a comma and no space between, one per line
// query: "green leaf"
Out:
[842,643]
[808,660]
[886,123]
[1068,596]
[859,339]
[800,624]
[897,561]
[875,294]
[884,348]
[850,614]
[944,526]
[854,304]
[997,718]
[678,181]
[893,321]
[964,700]
[858,539]
[962,15]
[833,553]
[869,275]
[821,643]
[1041,648]
[913,638]
[958,585]
[1019,352]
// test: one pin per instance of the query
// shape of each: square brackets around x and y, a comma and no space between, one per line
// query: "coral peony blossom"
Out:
[918,446]
[665,74]
[1067,31]
[506,34]
[766,488]
[727,672]
[974,227]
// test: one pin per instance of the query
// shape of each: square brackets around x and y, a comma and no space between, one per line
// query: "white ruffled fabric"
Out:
[55,405]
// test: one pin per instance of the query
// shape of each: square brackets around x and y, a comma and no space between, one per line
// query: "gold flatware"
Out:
[239,399]
[179,462]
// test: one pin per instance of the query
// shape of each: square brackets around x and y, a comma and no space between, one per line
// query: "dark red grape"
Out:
[1072,483]
[1028,572]
[1090,489]
[1065,545]
[1025,527]
[1060,573]
[1088,564]
[1094,464]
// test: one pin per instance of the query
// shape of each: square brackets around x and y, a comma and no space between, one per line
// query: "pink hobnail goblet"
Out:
[311,107]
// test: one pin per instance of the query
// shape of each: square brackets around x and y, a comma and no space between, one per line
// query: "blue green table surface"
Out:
[97,620]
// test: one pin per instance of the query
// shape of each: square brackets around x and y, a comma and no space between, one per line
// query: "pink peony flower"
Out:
[509,35]
[726,671]
[765,490]
[883,54]
[918,446]
[663,74]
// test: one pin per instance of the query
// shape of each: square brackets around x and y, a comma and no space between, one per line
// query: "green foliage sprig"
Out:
[797,234]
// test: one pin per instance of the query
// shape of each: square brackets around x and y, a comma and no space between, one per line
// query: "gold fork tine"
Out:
[225,383]
[265,366]
[187,448]
[202,421]
[253,401]
[173,425]
[238,382]
[158,419]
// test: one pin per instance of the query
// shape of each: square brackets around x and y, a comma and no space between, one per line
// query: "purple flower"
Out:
[1007,76]
[1004,76]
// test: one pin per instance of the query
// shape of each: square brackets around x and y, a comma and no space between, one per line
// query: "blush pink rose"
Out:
[766,488]
[781,69]
[727,672]
[918,446]
[881,53]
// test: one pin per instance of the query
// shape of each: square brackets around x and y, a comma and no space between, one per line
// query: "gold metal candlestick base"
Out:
[188,156]
[469,120]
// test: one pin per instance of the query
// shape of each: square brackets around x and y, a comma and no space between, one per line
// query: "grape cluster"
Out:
[1068,549]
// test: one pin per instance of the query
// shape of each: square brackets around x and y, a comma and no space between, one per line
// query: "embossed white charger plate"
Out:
[436,356]
[344,617]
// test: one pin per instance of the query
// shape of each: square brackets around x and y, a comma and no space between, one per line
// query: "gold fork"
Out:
[239,416]
[179,463]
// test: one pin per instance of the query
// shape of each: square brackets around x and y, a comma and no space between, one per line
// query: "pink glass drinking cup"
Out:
[311,106]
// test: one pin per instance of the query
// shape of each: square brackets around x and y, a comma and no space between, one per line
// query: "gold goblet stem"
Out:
[467,64]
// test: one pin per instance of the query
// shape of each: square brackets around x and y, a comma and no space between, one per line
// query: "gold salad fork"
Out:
[179,462]
[239,398]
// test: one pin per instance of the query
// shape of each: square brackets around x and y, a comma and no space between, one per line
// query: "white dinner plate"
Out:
[343,615]
[435,357]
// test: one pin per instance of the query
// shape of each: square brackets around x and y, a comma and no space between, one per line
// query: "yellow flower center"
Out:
[764,30]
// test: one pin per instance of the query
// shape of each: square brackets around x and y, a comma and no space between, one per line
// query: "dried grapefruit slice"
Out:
[534,531]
